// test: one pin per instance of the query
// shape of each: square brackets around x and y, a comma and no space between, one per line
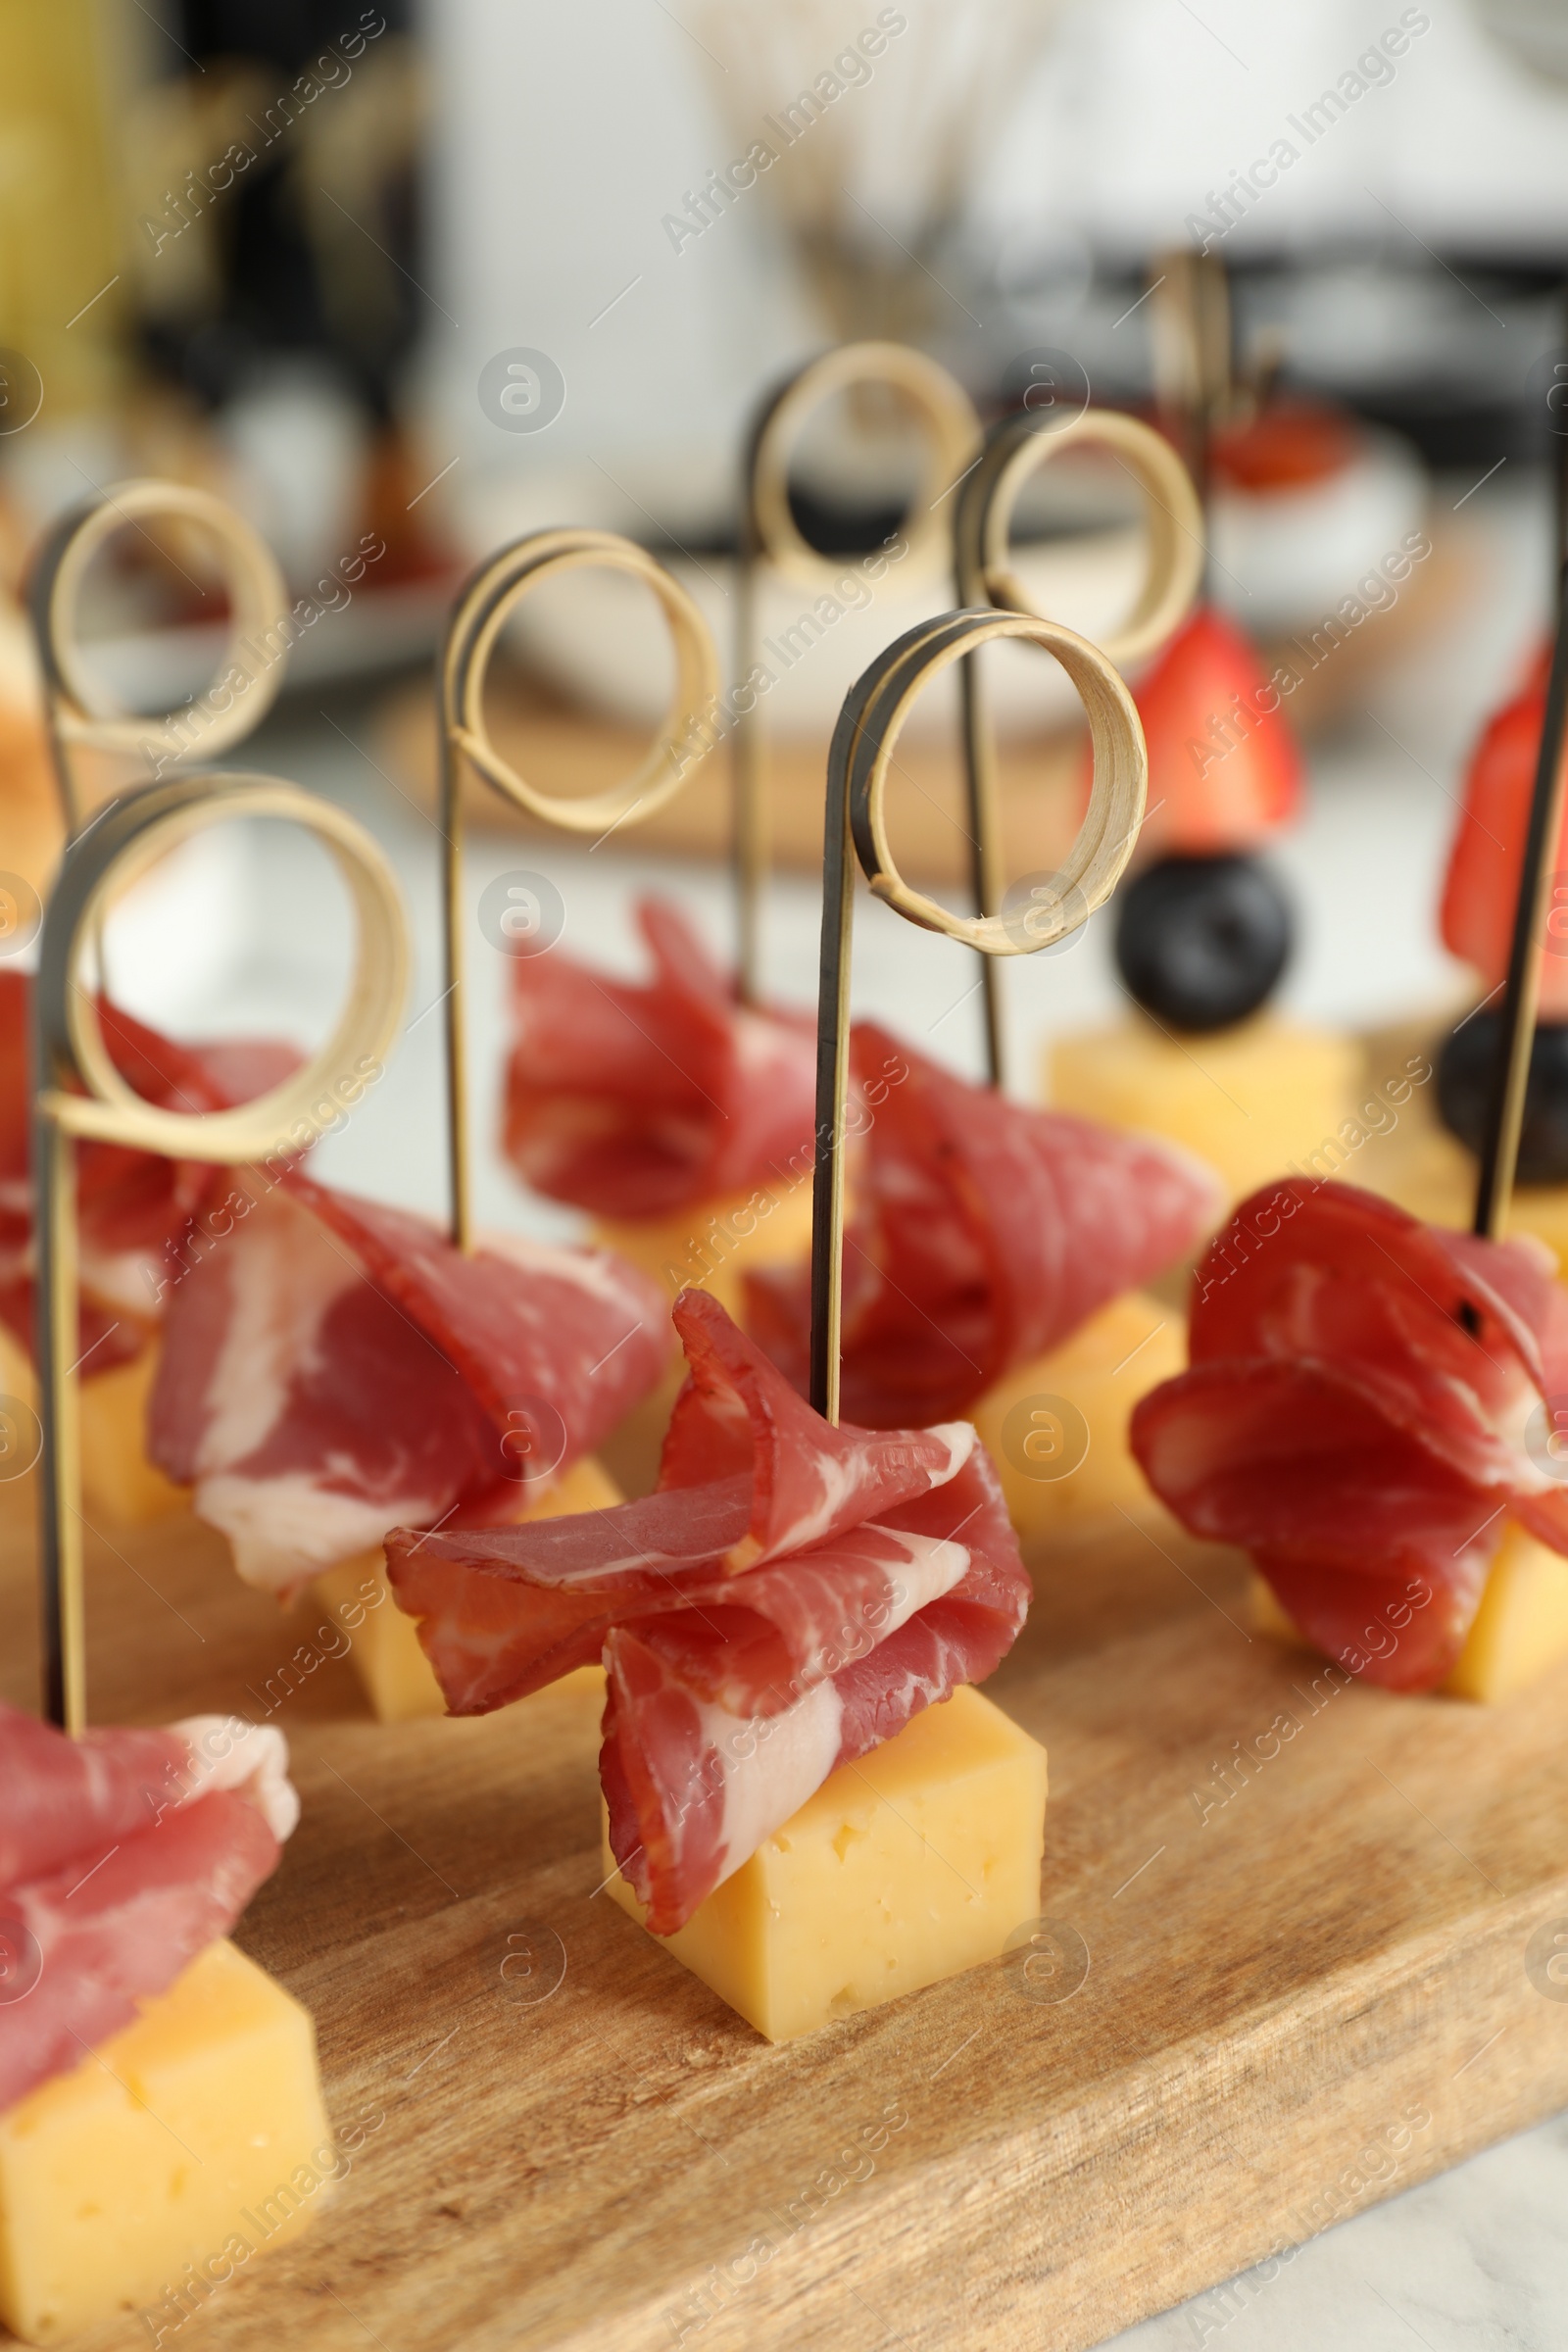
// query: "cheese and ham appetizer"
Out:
[135,1207]
[984,1235]
[1356,1415]
[636,1099]
[1481,890]
[334,1368]
[788,1597]
[123,1854]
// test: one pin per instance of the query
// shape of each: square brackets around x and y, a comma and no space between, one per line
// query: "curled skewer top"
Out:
[118,846]
[81,711]
[858,766]
[81,1095]
[1016,449]
[482,609]
[1110,823]
[940,401]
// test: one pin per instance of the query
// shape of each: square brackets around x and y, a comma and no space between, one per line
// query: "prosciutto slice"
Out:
[637,1100]
[984,1235]
[335,1368]
[1365,1405]
[122,1855]
[135,1207]
[790,1595]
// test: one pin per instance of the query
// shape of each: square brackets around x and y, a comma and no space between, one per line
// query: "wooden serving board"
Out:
[1275,1995]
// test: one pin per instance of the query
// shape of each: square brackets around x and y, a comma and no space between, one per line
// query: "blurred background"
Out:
[401,281]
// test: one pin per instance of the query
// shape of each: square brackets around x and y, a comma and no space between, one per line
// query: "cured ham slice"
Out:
[122,1856]
[1355,1416]
[134,1206]
[984,1235]
[636,1099]
[335,1368]
[1482,885]
[791,1596]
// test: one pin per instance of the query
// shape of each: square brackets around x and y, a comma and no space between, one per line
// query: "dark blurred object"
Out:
[275,171]
[1201,942]
[1466,1068]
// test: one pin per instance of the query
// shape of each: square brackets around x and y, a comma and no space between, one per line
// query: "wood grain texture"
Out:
[623,2163]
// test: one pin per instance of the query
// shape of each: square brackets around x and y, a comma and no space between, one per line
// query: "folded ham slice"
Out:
[984,1235]
[1356,1415]
[335,1368]
[123,1854]
[791,1596]
[135,1207]
[642,1099]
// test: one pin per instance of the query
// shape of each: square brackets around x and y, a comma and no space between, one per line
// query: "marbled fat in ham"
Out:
[134,1206]
[791,1596]
[983,1235]
[638,1100]
[335,1368]
[123,1854]
[1356,1415]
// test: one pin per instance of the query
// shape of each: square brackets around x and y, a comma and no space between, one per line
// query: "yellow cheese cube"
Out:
[1521,1626]
[916,1862]
[711,1247]
[1056,1428]
[166,2159]
[1251,1101]
[398,1678]
[117,1481]
[1538,1208]
[1519,1631]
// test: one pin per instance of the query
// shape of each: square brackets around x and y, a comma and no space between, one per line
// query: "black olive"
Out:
[1465,1076]
[1201,941]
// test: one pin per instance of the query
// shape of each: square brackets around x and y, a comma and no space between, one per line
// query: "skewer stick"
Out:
[859,763]
[768,530]
[78,711]
[1505,1110]
[1016,450]
[81,1096]
[1193,366]
[484,606]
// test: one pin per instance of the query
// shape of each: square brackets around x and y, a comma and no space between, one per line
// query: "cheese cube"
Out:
[1060,1466]
[166,2159]
[398,1678]
[1538,1208]
[117,1481]
[914,1863]
[1521,1626]
[1518,1633]
[1251,1101]
[709,1247]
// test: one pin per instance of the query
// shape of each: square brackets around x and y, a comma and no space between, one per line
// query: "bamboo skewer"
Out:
[1194,362]
[1015,449]
[81,1096]
[859,763]
[768,531]
[1505,1109]
[77,712]
[483,607]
